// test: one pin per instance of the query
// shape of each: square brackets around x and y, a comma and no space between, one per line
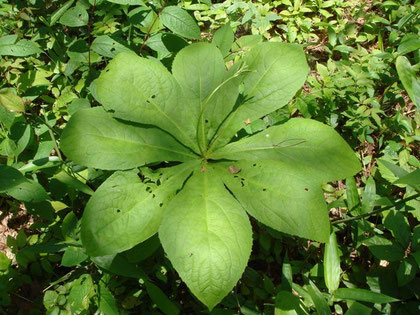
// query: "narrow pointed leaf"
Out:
[332,264]
[363,295]
[319,300]
[94,139]
[286,275]
[144,91]
[275,72]
[281,197]
[409,79]
[353,199]
[124,211]
[207,237]
[369,195]
[305,143]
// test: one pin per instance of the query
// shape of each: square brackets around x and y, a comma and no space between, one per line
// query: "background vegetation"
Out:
[364,58]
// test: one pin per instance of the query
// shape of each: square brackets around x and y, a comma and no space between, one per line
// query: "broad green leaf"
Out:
[129,2]
[412,179]
[212,93]
[358,309]
[10,177]
[118,264]
[79,52]
[20,136]
[73,182]
[143,250]
[416,256]
[384,249]
[160,299]
[10,46]
[19,187]
[288,304]
[166,44]
[11,101]
[398,224]
[407,271]
[409,79]
[93,138]
[389,170]
[409,44]
[50,298]
[7,118]
[280,196]
[75,17]
[224,38]
[73,256]
[307,144]
[363,295]
[4,262]
[180,22]
[81,292]
[319,300]
[144,91]
[415,241]
[275,72]
[78,104]
[207,237]
[107,302]
[108,47]
[332,264]
[125,211]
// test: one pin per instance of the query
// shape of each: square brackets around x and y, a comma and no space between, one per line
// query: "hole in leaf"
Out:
[206,121]
[254,164]
[264,189]
[306,189]
[112,49]
[118,210]
[153,196]
[161,204]
[153,96]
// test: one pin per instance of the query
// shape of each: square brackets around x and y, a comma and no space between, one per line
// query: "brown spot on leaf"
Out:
[247,121]
[233,170]
[203,169]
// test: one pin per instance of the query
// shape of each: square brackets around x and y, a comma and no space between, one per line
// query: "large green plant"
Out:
[199,206]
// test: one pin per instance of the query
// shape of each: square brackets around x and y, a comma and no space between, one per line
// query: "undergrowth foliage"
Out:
[189,144]
[191,116]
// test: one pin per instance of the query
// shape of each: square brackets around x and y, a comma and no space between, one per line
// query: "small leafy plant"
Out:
[194,116]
